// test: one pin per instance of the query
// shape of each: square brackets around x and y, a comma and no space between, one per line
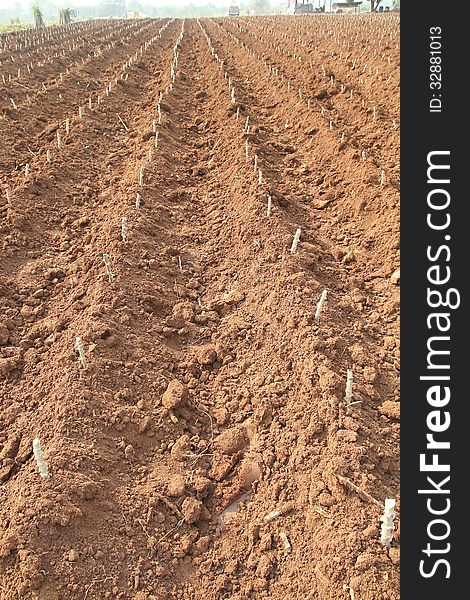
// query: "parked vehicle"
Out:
[233,11]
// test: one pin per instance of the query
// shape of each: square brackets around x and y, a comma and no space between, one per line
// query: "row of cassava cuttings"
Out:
[79,346]
[334,81]
[388,513]
[343,137]
[338,86]
[19,76]
[253,155]
[297,235]
[64,129]
[44,472]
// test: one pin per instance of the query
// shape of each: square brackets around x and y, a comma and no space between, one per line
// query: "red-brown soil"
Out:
[205,449]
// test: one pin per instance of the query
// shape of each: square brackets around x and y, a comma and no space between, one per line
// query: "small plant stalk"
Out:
[323,297]
[270,206]
[109,271]
[295,241]
[39,457]
[81,351]
[387,527]
[349,385]
[124,229]
[138,201]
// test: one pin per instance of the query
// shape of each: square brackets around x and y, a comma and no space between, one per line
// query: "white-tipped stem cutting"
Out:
[387,527]
[323,297]
[123,124]
[295,241]
[40,461]
[107,265]
[81,351]
[348,394]
[270,206]
[124,229]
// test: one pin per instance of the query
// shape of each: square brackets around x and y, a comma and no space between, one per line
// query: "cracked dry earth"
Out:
[203,447]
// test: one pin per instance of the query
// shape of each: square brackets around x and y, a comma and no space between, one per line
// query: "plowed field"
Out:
[159,330]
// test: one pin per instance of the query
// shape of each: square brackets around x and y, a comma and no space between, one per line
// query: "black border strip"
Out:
[424,132]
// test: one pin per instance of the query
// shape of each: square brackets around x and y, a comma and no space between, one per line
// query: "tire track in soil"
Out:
[206,293]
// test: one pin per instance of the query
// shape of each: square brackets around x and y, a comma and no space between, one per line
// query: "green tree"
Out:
[37,16]
[65,18]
